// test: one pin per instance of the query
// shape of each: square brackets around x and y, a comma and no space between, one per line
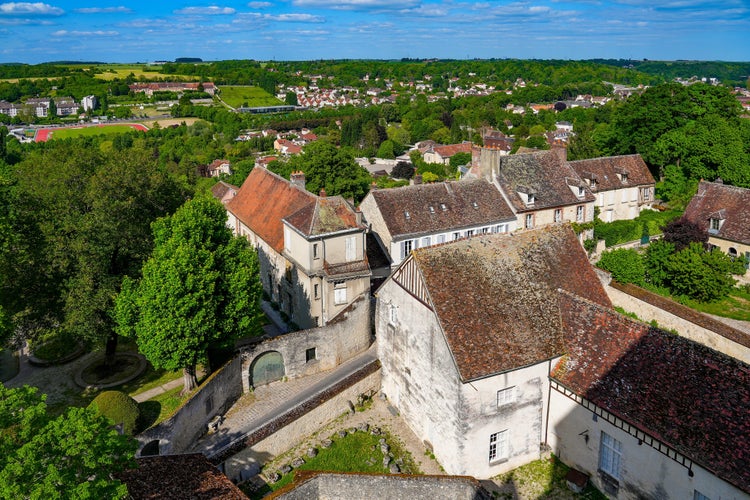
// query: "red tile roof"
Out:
[178,476]
[729,203]
[493,295]
[545,174]
[686,395]
[424,203]
[265,199]
[605,171]
[448,150]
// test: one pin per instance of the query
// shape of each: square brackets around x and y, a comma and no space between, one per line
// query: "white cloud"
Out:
[291,18]
[28,8]
[358,4]
[84,33]
[22,21]
[259,5]
[213,10]
[104,10]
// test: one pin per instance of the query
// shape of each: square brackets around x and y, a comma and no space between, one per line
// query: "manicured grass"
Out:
[151,378]
[66,133]
[160,407]
[544,479]
[735,306]
[110,72]
[237,96]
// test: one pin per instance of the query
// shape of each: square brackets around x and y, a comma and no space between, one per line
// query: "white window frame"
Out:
[441,238]
[506,396]
[714,224]
[426,242]
[610,455]
[498,446]
[580,213]
[529,222]
[558,215]
[406,247]
[339,293]
[316,253]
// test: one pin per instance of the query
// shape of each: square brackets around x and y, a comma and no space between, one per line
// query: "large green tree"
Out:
[73,455]
[199,289]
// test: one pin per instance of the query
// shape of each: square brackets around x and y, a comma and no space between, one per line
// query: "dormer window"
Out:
[407,215]
[432,209]
[714,225]
[623,176]
[581,191]
[443,207]
[474,204]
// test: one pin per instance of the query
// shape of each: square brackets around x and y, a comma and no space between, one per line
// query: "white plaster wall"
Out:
[418,373]
[524,419]
[645,472]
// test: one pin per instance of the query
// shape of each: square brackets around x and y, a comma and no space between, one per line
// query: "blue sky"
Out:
[116,31]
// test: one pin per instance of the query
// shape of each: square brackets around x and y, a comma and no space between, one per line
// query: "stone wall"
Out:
[673,316]
[339,486]
[246,456]
[340,340]
[177,433]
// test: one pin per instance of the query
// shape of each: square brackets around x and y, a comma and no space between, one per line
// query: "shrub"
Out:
[119,408]
[626,265]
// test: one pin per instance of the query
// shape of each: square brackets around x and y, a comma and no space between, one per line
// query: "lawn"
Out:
[67,133]
[159,408]
[357,452]
[110,72]
[735,306]
[237,96]
[541,479]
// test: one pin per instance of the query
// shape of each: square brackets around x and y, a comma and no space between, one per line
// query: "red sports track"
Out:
[43,134]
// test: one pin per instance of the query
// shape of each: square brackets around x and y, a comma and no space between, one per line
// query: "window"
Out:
[316,291]
[432,209]
[579,213]
[732,252]
[441,238]
[456,236]
[506,396]
[443,207]
[714,225]
[581,191]
[351,248]
[405,248]
[610,455]
[529,221]
[499,446]
[426,241]
[646,194]
[339,292]
[697,495]
[469,233]
[392,314]
[558,215]
[310,355]
[316,255]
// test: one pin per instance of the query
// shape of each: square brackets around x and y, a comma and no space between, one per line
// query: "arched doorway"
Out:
[267,368]
[151,448]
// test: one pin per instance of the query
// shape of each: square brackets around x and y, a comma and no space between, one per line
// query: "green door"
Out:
[267,368]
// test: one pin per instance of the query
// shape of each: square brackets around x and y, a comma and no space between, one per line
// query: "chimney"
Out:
[298,179]
[322,192]
[560,151]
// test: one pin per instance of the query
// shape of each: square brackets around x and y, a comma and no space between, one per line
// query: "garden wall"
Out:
[214,397]
[245,457]
[671,315]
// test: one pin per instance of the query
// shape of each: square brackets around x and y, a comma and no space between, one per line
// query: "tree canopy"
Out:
[71,456]
[199,288]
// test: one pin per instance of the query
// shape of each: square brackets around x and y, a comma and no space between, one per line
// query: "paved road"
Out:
[273,400]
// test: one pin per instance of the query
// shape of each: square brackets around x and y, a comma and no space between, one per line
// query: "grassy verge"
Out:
[542,479]
[735,306]
[237,96]
[159,408]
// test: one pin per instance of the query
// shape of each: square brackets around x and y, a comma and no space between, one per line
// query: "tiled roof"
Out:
[178,476]
[713,198]
[441,207]
[605,170]
[545,174]
[326,215]
[686,395]
[494,295]
[448,150]
[223,191]
[265,199]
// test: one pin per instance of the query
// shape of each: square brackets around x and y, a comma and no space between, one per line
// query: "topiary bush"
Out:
[119,408]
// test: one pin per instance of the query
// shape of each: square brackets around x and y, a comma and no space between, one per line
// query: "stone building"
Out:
[312,248]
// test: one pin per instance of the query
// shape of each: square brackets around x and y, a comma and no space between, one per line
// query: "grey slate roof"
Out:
[431,208]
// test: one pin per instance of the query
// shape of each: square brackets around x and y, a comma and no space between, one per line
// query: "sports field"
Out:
[45,134]
[237,96]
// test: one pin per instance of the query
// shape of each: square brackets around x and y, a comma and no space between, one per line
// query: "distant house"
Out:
[312,248]
[66,106]
[422,215]
[37,106]
[224,192]
[541,187]
[467,335]
[444,153]
[623,185]
[90,102]
[217,168]
[723,211]
[286,147]
[498,141]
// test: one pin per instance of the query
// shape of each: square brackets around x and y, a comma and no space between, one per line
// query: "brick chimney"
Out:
[298,179]
[322,192]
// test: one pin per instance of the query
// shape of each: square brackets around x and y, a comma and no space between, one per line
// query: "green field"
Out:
[112,71]
[237,96]
[67,133]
